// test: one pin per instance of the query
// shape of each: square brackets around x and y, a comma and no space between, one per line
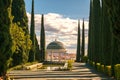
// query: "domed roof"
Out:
[55,45]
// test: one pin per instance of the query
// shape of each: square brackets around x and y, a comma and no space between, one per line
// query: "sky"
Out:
[61,20]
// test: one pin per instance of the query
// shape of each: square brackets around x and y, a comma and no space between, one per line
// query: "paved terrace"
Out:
[80,71]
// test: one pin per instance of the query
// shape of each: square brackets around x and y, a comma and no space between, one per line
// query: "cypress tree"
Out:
[83,41]
[32,35]
[92,28]
[21,21]
[107,36]
[96,30]
[113,9]
[90,33]
[21,45]
[78,54]
[19,13]
[42,40]
[37,54]
[5,38]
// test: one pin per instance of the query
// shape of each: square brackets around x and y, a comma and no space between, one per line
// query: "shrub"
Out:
[102,69]
[93,64]
[117,71]
[108,70]
[98,66]
[85,59]
[90,62]
[69,65]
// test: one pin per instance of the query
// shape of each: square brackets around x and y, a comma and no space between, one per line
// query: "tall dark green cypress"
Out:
[42,40]
[107,36]
[90,33]
[96,29]
[83,41]
[5,38]
[113,9]
[37,54]
[32,35]
[19,13]
[78,54]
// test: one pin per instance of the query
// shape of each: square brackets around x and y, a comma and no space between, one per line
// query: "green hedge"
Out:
[108,70]
[93,64]
[102,68]
[69,64]
[90,62]
[85,59]
[117,71]
[98,67]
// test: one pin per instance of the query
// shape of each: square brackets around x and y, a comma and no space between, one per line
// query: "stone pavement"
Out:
[80,71]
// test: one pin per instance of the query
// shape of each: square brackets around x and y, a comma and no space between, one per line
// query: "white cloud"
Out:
[60,27]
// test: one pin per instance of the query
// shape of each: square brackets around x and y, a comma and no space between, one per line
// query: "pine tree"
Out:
[83,41]
[42,40]
[78,54]
[32,35]
[5,38]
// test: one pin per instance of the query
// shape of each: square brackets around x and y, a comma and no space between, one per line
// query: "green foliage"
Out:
[83,42]
[5,38]
[69,64]
[117,71]
[90,33]
[85,59]
[21,45]
[96,30]
[93,64]
[90,62]
[78,44]
[15,42]
[20,34]
[19,13]
[32,35]
[102,68]
[104,33]
[113,11]
[94,40]
[37,54]
[98,66]
[42,40]
[108,70]
[106,37]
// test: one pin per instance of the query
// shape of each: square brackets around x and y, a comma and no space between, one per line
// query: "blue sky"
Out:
[60,20]
[69,8]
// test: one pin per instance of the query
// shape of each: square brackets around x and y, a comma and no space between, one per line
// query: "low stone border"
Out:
[38,65]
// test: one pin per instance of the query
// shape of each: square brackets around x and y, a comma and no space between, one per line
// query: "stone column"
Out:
[51,55]
[59,56]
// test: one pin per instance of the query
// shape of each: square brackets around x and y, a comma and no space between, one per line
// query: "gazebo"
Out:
[55,49]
